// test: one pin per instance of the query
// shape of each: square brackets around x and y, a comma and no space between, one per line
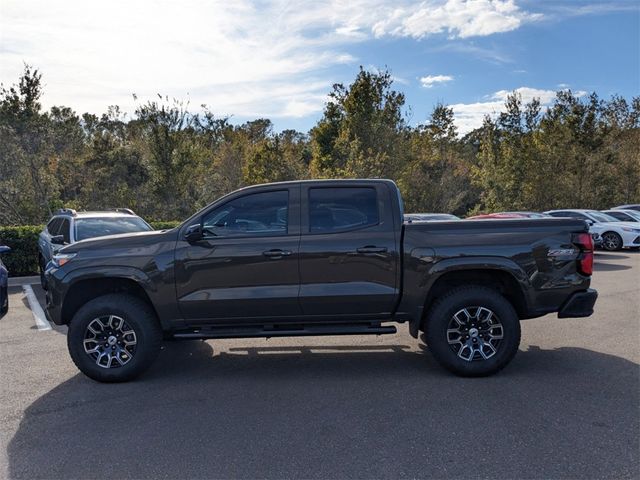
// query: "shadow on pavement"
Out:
[610,256]
[338,412]
[609,267]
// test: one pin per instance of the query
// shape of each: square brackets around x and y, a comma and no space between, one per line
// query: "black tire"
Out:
[138,316]
[41,267]
[440,315]
[611,241]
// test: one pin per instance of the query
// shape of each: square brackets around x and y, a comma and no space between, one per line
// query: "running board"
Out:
[305,331]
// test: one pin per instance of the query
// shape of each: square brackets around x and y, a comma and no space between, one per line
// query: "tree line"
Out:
[165,161]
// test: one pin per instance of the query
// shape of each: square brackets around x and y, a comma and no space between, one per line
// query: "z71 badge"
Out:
[562,252]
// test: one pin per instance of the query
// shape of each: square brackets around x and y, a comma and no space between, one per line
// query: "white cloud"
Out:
[243,57]
[469,116]
[458,18]
[431,80]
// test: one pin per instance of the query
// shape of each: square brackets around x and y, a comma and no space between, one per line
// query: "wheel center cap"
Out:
[473,332]
[112,340]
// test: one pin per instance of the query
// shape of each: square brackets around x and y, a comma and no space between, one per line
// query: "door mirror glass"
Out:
[193,233]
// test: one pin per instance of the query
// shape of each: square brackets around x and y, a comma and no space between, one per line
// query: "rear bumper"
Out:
[580,304]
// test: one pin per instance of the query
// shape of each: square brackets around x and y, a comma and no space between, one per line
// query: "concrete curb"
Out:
[19,281]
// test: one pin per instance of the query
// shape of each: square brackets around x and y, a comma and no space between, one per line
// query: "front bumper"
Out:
[54,295]
[580,304]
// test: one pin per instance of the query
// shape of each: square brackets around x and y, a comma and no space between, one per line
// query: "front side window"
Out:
[623,217]
[602,217]
[257,214]
[102,226]
[342,209]
[65,230]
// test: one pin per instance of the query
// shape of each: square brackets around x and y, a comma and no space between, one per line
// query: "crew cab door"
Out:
[246,264]
[349,251]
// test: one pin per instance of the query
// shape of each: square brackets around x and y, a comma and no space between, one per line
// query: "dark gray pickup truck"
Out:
[318,258]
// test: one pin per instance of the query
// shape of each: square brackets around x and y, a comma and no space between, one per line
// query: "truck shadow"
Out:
[609,267]
[318,412]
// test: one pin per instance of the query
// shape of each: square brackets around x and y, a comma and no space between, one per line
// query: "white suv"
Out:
[68,226]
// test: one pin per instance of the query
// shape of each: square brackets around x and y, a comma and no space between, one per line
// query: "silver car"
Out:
[68,226]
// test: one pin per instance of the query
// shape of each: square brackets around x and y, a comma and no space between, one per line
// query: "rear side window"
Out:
[254,215]
[340,209]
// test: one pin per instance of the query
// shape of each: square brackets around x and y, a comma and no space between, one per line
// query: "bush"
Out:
[23,257]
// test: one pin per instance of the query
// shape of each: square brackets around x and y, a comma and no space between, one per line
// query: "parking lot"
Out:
[336,407]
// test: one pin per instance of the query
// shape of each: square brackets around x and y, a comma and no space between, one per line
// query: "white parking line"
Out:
[38,314]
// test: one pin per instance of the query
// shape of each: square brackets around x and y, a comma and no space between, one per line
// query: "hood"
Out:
[122,240]
[602,226]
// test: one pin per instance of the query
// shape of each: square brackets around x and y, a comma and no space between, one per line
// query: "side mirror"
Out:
[590,222]
[193,233]
[4,249]
[58,240]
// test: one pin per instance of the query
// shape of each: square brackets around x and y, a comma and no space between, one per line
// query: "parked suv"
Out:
[68,226]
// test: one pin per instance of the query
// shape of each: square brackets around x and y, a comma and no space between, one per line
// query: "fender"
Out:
[429,276]
[161,294]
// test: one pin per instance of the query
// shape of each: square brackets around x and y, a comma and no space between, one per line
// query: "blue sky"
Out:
[279,59]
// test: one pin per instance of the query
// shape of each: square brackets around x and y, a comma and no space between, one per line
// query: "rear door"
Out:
[349,253]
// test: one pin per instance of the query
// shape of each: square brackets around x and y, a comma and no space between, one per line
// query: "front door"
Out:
[246,265]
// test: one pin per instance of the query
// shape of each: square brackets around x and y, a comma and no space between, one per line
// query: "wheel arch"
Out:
[86,289]
[499,279]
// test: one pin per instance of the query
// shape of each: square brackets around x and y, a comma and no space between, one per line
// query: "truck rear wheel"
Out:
[472,331]
[114,338]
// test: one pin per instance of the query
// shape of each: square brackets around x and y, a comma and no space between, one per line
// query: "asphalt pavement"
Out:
[568,406]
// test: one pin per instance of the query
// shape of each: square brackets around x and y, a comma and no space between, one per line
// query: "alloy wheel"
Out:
[474,333]
[611,241]
[110,341]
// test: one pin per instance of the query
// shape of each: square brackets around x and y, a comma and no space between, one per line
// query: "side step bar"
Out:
[304,331]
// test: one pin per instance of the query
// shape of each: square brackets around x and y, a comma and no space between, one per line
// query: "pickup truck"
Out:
[320,257]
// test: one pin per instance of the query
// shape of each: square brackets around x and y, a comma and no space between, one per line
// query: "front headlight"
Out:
[60,259]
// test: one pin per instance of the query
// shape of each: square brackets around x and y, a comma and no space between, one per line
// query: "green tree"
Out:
[363,129]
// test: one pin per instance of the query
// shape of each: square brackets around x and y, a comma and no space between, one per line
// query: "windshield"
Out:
[602,217]
[101,226]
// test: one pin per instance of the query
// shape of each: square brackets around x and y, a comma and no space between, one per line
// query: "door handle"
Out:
[276,253]
[371,249]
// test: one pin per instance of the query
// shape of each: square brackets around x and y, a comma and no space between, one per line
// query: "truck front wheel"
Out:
[472,331]
[114,338]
